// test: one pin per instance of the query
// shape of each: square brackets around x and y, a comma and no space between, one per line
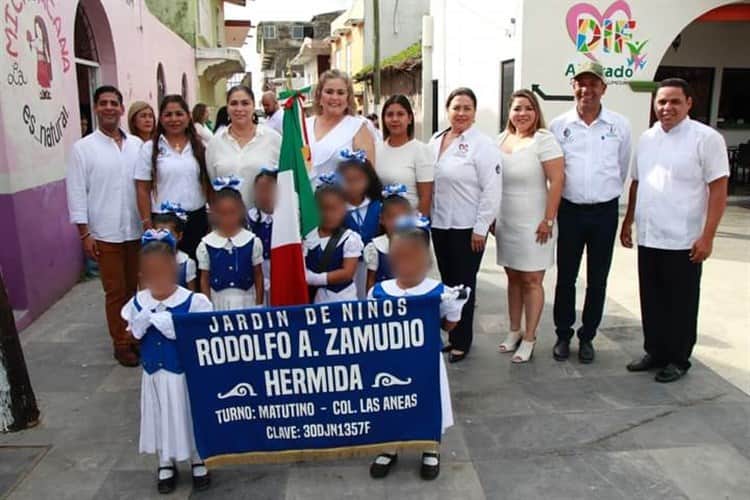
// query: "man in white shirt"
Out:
[102,204]
[596,145]
[677,199]
[274,113]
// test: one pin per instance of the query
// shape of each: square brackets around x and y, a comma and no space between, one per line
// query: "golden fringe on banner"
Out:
[266,457]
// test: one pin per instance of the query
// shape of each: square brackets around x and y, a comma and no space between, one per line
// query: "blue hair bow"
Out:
[152,235]
[174,208]
[394,190]
[329,179]
[227,182]
[268,169]
[416,221]
[358,155]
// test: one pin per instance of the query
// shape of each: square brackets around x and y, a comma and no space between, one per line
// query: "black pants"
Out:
[196,228]
[458,265]
[670,291]
[592,227]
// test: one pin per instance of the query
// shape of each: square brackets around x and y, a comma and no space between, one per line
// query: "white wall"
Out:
[718,45]
[471,40]
[400,26]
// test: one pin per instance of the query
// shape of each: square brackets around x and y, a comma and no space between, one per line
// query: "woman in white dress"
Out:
[334,125]
[402,159]
[525,229]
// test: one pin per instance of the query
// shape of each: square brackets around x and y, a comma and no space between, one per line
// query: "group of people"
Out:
[183,213]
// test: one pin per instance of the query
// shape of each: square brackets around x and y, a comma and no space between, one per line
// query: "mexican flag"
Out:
[296,212]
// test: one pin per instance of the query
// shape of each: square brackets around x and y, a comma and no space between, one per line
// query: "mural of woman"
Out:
[39,41]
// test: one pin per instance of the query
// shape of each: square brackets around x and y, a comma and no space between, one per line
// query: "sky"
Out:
[275,10]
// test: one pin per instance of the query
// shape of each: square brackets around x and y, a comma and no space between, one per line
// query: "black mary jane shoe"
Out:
[455,358]
[167,486]
[447,348]
[201,483]
[382,465]
[430,470]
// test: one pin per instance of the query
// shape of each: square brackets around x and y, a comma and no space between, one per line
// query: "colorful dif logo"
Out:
[596,35]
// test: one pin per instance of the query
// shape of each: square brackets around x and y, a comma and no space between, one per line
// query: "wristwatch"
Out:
[550,222]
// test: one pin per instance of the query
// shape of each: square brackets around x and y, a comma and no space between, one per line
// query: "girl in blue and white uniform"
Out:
[166,422]
[363,192]
[173,218]
[410,260]
[395,205]
[230,257]
[260,218]
[332,251]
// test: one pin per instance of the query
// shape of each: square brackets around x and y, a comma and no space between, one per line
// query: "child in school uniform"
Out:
[395,205]
[363,192]
[166,422]
[172,218]
[410,261]
[260,219]
[230,257]
[332,251]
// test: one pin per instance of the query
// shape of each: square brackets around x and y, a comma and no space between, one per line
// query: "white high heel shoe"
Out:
[524,352]
[511,341]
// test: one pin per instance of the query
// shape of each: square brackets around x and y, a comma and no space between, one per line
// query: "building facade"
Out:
[201,24]
[348,45]
[314,55]
[54,55]
[538,43]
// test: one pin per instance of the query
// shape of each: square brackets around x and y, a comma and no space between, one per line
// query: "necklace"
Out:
[241,138]
[178,145]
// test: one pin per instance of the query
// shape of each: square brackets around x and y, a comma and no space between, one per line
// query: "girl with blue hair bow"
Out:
[410,260]
[363,192]
[166,422]
[230,257]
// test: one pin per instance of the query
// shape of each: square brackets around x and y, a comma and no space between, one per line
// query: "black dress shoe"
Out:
[382,464]
[447,348]
[647,362]
[455,358]
[561,351]
[201,483]
[430,469]
[586,352]
[670,373]
[167,486]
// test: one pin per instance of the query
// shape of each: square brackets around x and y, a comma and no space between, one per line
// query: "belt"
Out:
[590,206]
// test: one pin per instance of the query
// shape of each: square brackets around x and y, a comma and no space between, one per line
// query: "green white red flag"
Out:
[296,212]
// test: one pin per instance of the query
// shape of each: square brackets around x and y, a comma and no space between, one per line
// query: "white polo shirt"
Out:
[597,156]
[177,176]
[224,156]
[673,170]
[276,120]
[467,185]
[100,186]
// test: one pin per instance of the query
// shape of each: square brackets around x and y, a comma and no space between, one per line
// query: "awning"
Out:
[218,62]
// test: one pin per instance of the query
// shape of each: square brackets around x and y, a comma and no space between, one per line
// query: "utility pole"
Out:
[376,54]
[18,409]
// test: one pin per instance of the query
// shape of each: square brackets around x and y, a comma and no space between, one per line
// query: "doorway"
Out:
[87,70]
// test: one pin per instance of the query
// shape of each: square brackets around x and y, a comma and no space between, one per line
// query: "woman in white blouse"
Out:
[245,146]
[172,168]
[465,202]
[334,125]
[402,159]
[200,117]
[525,230]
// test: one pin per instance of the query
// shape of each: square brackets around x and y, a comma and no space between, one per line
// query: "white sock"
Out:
[165,473]
[199,469]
